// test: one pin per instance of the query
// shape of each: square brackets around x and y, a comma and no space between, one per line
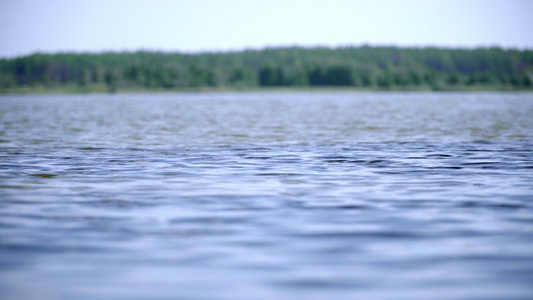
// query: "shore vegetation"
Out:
[364,68]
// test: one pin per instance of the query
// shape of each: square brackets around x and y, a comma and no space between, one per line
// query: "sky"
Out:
[29,26]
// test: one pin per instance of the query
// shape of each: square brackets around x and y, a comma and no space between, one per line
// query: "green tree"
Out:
[111,80]
[384,81]
[452,79]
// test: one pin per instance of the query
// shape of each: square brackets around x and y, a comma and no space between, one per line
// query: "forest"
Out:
[363,67]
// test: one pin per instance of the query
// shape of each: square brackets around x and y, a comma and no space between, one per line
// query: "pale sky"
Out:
[29,26]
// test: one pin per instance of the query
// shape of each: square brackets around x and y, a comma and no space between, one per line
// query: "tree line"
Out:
[364,67]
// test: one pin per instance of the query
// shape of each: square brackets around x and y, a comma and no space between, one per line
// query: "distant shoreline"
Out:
[28,90]
[277,69]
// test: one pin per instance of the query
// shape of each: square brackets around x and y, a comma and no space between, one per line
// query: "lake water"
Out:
[331,195]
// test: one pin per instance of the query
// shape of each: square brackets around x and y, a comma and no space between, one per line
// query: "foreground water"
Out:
[267,196]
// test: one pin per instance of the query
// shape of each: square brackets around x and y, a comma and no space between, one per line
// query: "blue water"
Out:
[267,196]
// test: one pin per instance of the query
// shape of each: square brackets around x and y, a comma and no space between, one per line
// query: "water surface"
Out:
[267,196]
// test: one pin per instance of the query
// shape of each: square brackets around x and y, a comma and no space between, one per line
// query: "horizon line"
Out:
[263,48]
